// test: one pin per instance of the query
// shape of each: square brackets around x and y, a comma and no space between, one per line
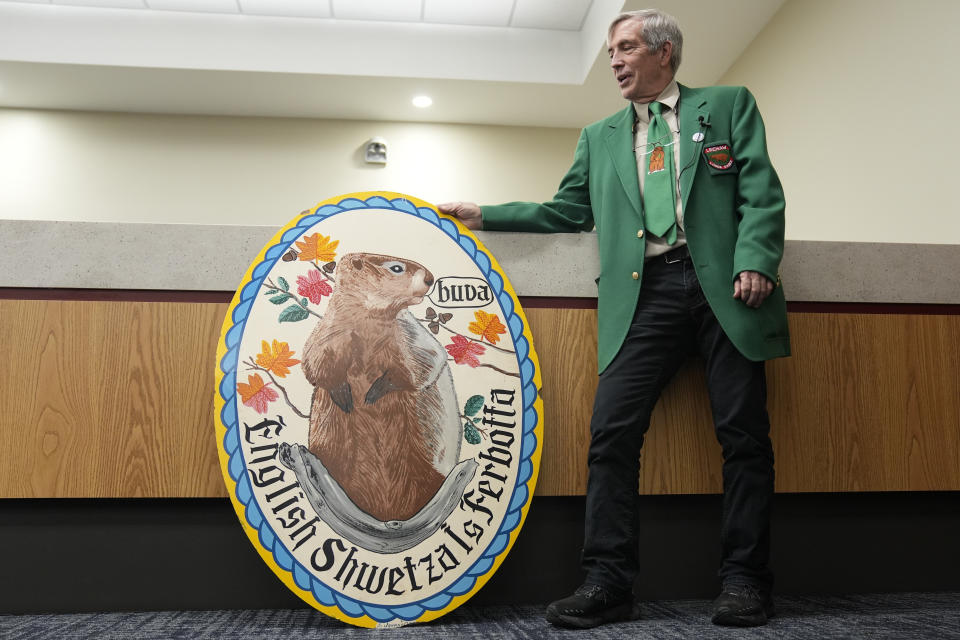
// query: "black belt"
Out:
[678,254]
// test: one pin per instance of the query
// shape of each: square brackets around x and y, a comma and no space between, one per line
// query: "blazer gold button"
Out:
[640,233]
[636,276]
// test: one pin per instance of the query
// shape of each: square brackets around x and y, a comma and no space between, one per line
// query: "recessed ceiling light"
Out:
[422,101]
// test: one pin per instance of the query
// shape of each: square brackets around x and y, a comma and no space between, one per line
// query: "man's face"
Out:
[640,73]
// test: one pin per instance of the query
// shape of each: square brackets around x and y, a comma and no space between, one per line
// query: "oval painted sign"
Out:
[378,415]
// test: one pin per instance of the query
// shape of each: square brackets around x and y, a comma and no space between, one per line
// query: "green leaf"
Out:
[476,420]
[270,292]
[293,313]
[280,299]
[283,284]
[473,405]
[304,301]
[470,434]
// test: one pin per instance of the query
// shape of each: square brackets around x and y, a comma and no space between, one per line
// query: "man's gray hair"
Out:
[658,29]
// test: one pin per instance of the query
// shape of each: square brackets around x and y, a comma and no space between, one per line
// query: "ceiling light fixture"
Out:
[422,101]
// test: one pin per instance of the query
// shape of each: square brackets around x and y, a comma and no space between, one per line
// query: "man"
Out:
[689,218]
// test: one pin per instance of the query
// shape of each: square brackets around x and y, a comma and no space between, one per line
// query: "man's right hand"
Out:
[466,212]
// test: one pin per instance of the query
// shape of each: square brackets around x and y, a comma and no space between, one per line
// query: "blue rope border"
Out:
[231,441]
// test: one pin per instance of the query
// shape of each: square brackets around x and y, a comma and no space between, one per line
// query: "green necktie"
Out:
[659,194]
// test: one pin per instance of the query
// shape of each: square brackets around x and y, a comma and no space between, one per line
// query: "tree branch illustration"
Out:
[476,425]
[253,365]
[293,254]
[457,333]
[326,275]
[278,289]
[490,366]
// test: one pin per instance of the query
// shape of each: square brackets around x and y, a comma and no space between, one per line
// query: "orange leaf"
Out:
[487,326]
[317,247]
[256,394]
[276,358]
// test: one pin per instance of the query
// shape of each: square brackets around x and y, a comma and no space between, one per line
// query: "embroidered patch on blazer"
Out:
[719,156]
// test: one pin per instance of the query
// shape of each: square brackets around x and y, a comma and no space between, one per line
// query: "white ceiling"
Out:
[521,62]
[532,14]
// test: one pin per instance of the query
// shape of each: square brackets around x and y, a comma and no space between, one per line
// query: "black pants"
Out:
[673,320]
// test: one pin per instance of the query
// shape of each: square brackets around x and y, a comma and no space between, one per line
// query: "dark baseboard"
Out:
[147,554]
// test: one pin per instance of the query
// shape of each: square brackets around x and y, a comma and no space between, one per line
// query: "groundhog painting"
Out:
[384,417]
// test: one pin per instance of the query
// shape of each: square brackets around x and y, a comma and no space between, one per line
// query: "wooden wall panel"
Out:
[868,403]
[114,399]
[566,343]
[108,399]
[681,454]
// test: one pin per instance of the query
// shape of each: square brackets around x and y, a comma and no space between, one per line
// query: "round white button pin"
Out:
[698,136]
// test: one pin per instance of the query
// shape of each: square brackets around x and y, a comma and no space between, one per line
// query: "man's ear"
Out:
[666,52]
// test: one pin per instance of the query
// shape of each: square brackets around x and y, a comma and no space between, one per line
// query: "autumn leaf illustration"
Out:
[256,394]
[465,351]
[487,326]
[317,247]
[276,358]
[314,286]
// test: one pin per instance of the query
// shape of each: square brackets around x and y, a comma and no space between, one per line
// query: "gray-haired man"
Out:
[689,218]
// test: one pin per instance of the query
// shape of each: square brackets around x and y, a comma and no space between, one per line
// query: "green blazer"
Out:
[733,216]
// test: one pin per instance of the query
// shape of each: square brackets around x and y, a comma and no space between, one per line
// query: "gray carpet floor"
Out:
[901,616]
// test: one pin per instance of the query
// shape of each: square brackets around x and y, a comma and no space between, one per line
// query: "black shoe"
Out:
[592,605]
[742,605]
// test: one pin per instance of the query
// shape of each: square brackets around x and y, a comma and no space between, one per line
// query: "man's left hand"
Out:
[752,288]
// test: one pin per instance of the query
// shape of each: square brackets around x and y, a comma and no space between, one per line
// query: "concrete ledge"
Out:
[108,255]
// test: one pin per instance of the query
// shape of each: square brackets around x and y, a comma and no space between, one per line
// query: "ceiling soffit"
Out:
[152,61]
[212,40]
